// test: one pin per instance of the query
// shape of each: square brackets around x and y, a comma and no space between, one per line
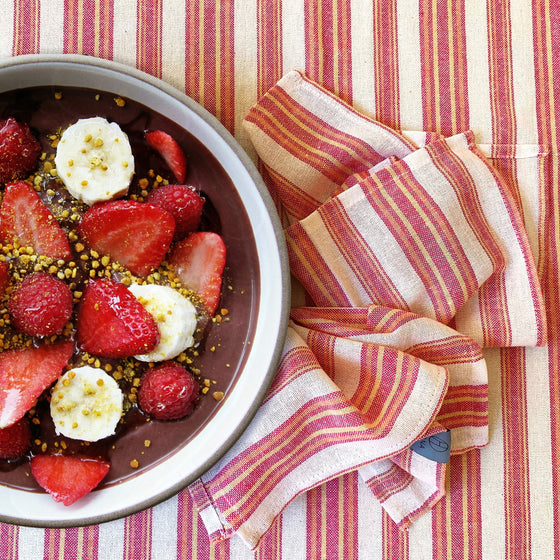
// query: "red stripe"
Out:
[457,519]
[149,37]
[328,59]
[516,458]
[26,27]
[386,63]
[138,535]
[444,75]
[269,44]
[332,510]
[546,43]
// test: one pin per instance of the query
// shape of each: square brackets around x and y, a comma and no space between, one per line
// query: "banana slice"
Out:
[175,316]
[94,160]
[86,404]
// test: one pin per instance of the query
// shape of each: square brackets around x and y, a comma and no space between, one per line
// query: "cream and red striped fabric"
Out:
[433,236]
[431,65]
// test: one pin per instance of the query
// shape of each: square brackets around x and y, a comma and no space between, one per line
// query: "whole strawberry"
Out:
[41,305]
[183,203]
[15,440]
[19,150]
[168,392]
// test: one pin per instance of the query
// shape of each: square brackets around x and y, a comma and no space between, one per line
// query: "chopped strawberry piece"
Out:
[4,277]
[25,374]
[24,218]
[168,392]
[15,440]
[41,305]
[19,150]
[112,323]
[133,233]
[183,203]
[67,478]
[199,261]
[170,151]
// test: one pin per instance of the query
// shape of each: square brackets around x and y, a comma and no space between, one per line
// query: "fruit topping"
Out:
[135,234]
[15,440]
[199,262]
[94,160]
[4,277]
[24,219]
[19,150]
[170,151]
[25,374]
[68,478]
[112,323]
[86,404]
[167,392]
[183,203]
[41,305]
[175,317]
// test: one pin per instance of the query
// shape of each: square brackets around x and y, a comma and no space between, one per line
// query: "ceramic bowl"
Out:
[256,294]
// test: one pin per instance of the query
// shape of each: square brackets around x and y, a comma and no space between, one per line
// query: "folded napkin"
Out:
[413,256]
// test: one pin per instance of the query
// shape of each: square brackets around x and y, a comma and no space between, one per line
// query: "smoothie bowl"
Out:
[137,242]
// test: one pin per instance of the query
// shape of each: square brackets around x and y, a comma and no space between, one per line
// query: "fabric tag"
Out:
[436,448]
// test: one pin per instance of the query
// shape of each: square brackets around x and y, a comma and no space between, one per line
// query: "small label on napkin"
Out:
[436,447]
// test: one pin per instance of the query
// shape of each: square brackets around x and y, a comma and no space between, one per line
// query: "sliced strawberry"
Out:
[15,440]
[183,203]
[67,478]
[24,218]
[4,277]
[170,151]
[199,261]
[133,233]
[112,323]
[25,374]
[19,150]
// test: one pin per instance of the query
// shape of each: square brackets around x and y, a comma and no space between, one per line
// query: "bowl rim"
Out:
[119,70]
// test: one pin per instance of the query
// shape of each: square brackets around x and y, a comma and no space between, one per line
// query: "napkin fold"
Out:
[413,256]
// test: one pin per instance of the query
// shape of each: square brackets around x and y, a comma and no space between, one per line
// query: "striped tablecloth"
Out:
[488,66]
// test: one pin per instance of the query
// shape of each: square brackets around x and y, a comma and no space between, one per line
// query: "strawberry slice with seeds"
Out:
[19,150]
[25,219]
[25,374]
[170,151]
[15,440]
[199,261]
[4,277]
[67,478]
[135,234]
[112,323]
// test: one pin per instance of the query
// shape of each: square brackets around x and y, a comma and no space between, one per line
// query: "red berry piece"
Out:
[112,323]
[135,234]
[67,478]
[183,203]
[170,151]
[19,150]
[199,262]
[41,305]
[4,277]
[15,440]
[168,392]
[25,374]
[25,219]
